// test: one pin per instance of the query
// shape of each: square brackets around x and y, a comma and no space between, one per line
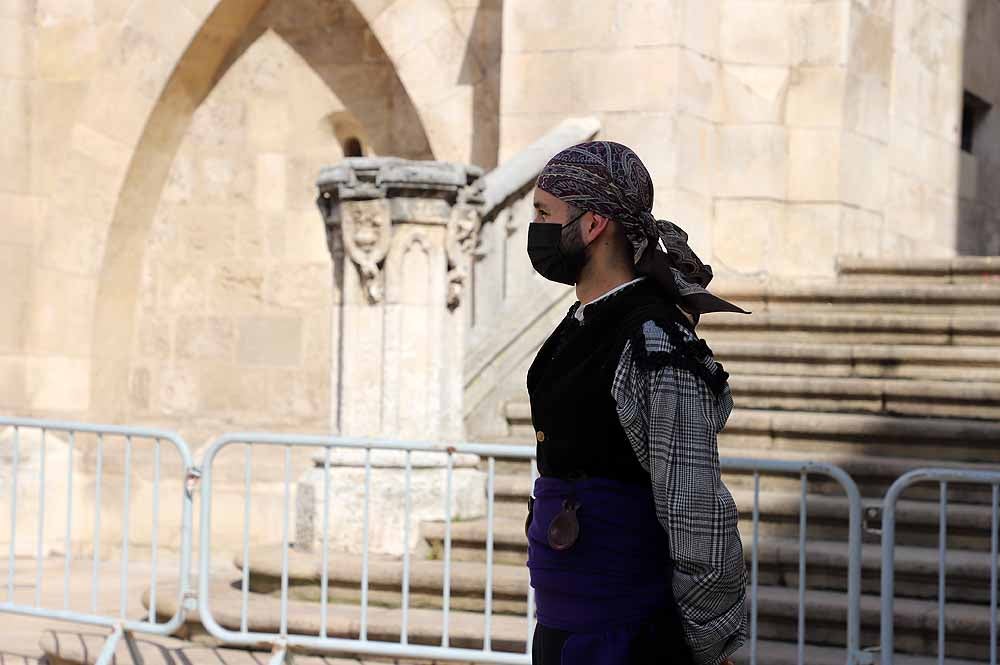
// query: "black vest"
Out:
[573,410]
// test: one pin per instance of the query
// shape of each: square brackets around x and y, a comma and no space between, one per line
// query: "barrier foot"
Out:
[280,654]
[133,648]
[108,650]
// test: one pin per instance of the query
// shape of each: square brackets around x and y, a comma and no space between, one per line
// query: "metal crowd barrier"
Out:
[804,470]
[942,477]
[123,437]
[283,641]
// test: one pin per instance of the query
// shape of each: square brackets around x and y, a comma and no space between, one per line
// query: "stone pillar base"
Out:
[387,499]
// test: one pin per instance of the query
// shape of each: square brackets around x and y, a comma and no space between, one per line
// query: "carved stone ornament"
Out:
[463,231]
[367,230]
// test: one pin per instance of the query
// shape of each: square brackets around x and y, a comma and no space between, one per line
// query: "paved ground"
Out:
[20,636]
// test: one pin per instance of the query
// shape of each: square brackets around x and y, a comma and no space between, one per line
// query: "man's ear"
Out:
[600,223]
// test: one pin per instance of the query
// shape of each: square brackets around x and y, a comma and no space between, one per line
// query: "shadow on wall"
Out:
[978,231]
[979,168]
[481,69]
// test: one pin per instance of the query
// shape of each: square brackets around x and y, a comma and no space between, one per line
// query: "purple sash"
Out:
[613,579]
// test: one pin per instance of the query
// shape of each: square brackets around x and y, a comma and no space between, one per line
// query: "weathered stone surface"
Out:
[386,505]
[24,454]
[752,161]
[741,234]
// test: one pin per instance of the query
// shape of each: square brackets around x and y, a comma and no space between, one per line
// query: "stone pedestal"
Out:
[401,234]
[387,501]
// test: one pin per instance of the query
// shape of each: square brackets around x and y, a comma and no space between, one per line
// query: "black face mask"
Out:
[556,255]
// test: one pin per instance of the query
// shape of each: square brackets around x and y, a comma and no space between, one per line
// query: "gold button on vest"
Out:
[540,436]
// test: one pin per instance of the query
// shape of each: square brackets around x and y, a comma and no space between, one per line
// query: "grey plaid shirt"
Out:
[672,418]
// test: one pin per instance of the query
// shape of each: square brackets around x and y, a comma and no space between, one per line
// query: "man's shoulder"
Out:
[659,334]
[657,342]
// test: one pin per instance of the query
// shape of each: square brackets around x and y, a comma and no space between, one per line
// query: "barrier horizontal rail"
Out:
[122,626]
[942,477]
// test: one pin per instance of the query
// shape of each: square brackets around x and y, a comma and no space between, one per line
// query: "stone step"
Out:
[957,270]
[853,328]
[966,625]
[931,439]
[886,396]
[467,581]
[868,297]
[778,561]
[980,400]
[786,653]
[917,524]
[937,363]
[872,474]
[465,629]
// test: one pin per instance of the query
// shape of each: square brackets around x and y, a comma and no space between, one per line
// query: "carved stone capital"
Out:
[367,196]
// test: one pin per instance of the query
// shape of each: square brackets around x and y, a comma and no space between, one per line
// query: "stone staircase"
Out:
[890,368]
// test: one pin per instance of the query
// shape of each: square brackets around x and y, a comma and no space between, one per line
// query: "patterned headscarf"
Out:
[608,178]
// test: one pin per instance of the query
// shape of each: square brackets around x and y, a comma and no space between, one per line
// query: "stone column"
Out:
[401,234]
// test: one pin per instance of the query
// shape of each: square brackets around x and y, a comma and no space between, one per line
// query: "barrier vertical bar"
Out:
[69,518]
[488,596]
[98,481]
[754,552]
[325,575]
[446,586]
[155,544]
[123,601]
[801,648]
[942,554]
[364,553]
[994,528]
[13,513]
[408,500]
[41,523]
[284,542]
[245,573]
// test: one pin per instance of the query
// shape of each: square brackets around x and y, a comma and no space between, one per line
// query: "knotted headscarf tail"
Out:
[609,178]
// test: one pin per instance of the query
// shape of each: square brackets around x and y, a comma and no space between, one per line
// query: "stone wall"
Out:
[98,96]
[780,134]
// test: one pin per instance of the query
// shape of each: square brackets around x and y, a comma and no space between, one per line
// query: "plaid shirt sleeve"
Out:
[672,419]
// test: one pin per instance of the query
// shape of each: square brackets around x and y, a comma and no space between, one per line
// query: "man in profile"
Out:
[634,551]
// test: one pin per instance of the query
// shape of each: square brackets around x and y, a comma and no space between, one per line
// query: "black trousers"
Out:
[660,644]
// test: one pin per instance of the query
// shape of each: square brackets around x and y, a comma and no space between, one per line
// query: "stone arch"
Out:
[224,34]
[77,252]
